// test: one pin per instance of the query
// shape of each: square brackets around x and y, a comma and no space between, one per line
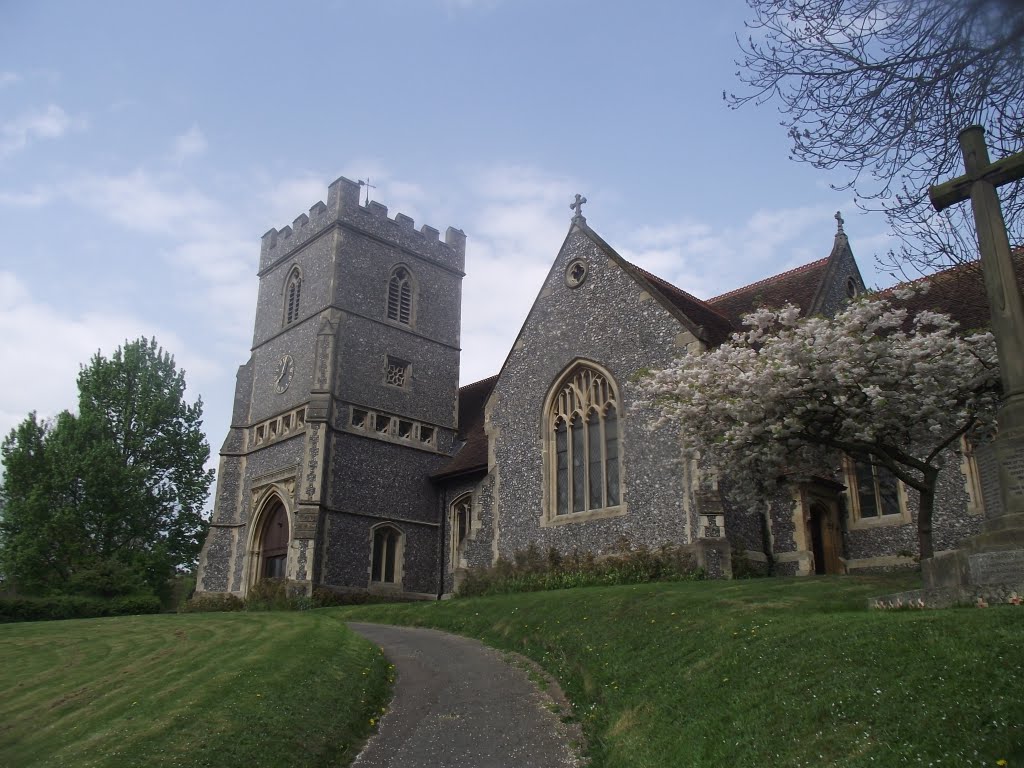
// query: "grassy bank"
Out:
[773,672]
[240,689]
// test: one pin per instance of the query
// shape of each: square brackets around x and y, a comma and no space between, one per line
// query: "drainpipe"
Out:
[440,544]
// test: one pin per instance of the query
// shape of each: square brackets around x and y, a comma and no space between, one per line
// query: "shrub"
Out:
[106,578]
[745,568]
[135,605]
[206,602]
[268,595]
[529,570]
[58,607]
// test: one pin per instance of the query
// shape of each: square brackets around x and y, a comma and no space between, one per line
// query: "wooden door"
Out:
[826,537]
[274,549]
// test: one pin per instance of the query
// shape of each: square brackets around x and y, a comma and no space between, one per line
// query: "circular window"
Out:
[575,273]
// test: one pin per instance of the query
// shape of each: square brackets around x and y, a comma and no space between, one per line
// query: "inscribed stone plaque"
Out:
[988,473]
[997,567]
[305,523]
[1010,455]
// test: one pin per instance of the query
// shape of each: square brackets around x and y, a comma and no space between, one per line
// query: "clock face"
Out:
[285,370]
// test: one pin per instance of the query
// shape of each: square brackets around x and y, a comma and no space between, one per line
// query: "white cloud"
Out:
[189,144]
[46,382]
[35,198]
[52,122]
[286,199]
[9,78]
[143,202]
[468,5]
[519,218]
[706,261]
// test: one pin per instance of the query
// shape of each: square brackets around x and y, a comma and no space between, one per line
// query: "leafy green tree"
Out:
[96,502]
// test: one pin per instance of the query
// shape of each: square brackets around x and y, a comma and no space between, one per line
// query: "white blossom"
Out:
[791,392]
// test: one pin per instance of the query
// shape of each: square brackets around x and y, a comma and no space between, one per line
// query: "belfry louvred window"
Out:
[584,457]
[293,292]
[400,296]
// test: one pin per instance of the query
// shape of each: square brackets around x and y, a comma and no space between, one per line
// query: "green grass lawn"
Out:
[231,689]
[771,672]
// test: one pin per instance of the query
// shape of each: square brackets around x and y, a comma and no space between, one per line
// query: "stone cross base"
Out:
[714,555]
[990,565]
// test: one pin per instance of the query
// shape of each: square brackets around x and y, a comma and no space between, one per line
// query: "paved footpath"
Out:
[459,704]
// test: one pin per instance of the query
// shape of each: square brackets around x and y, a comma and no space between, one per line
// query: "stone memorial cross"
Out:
[979,185]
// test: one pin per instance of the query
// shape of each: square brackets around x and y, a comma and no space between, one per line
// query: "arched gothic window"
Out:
[584,460]
[292,294]
[386,556]
[400,296]
[459,525]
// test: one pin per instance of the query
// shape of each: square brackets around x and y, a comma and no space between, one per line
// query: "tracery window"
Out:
[386,556]
[400,295]
[459,525]
[292,295]
[396,371]
[584,460]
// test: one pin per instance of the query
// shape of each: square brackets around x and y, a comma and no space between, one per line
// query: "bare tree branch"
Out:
[880,88]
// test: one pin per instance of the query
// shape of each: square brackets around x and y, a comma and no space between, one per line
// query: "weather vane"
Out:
[368,186]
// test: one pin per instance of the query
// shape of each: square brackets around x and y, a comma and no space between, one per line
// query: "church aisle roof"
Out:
[960,293]
[797,286]
[473,454]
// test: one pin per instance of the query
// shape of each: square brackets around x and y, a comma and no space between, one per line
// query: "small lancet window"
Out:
[385,566]
[292,295]
[584,459]
[400,296]
[459,526]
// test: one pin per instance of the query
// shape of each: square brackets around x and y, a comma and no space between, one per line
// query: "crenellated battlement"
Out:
[343,207]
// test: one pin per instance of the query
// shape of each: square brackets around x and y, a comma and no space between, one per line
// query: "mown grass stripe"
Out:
[261,689]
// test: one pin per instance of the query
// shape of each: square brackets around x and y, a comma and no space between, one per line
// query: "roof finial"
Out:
[839,224]
[578,207]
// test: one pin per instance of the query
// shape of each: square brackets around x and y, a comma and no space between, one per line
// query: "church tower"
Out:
[345,408]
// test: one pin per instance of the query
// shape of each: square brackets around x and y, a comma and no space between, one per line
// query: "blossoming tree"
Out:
[793,392]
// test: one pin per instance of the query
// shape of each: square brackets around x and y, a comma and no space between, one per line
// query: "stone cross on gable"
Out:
[839,223]
[578,206]
[1004,297]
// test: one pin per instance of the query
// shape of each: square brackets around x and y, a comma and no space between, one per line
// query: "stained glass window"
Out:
[584,466]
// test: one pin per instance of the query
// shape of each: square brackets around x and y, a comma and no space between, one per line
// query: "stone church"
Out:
[354,460]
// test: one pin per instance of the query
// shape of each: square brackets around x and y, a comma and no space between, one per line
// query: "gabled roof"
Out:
[960,293]
[472,457]
[798,286]
[711,321]
[696,316]
[716,326]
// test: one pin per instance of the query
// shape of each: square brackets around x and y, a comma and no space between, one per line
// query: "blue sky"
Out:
[145,148]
